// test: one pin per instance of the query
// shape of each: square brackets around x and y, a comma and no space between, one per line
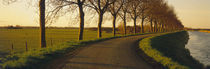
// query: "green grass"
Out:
[35,59]
[169,50]
[18,38]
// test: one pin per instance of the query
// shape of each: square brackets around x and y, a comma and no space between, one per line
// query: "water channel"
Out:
[199,46]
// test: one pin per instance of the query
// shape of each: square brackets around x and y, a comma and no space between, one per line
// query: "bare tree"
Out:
[123,14]
[114,10]
[151,17]
[42,22]
[151,13]
[134,11]
[80,4]
[144,8]
[59,5]
[100,6]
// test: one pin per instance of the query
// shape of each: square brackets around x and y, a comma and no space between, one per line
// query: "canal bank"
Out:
[169,50]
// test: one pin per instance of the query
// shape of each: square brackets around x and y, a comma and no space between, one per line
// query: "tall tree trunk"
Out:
[155,27]
[124,18]
[99,25]
[166,28]
[142,25]
[158,27]
[162,28]
[81,29]
[114,23]
[42,22]
[151,27]
[135,31]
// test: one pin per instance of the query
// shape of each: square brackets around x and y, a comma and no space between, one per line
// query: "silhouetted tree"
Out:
[82,14]
[123,13]
[134,11]
[59,5]
[100,6]
[144,7]
[114,10]
[42,22]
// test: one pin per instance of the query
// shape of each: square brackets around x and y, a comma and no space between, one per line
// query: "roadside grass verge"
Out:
[35,59]
[169,50]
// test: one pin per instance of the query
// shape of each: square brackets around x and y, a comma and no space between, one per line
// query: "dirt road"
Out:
[117,53]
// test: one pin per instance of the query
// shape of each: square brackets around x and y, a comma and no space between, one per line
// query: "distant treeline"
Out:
[33,27]
[106,29]
[130,29]
[196,29]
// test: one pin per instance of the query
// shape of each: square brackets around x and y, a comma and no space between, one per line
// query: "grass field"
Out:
[19,37]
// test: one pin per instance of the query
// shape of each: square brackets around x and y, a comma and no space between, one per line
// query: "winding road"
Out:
[117,53]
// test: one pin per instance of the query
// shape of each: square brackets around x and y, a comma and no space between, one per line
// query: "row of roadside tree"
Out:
[158,13]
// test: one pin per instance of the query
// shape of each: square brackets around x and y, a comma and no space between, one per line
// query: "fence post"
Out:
[26,46]
[12,48]
[51,42]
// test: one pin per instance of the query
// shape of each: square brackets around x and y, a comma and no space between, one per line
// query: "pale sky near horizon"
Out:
[192,13]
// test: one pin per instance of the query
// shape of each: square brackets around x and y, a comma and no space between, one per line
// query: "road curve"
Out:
[117,53]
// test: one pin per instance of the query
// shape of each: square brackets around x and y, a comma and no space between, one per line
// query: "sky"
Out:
[192,13]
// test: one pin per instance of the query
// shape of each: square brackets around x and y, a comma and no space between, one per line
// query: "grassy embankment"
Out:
[169,50]
[35,59]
